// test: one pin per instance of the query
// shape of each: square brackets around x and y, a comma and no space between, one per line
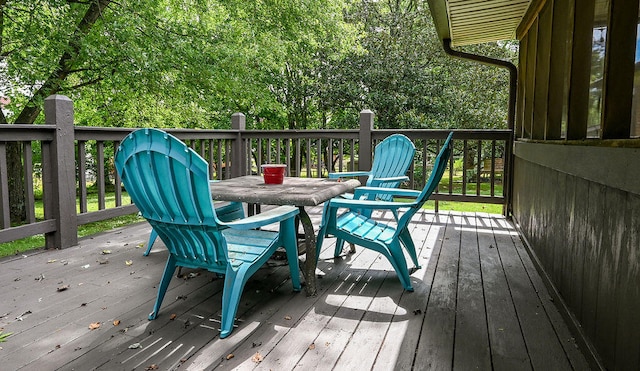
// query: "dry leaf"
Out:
[152,367]
[229,356]
[288,318]
[105,252]
[312,346]
[257,358]
[128,262]
[135,346]
[94,325]
[173,316]
[116,322]
[63,288]
[51,261]
[140,245]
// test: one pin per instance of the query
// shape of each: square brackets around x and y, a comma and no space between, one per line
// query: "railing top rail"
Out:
[294,134]
[26,132]
[485,134]
[101,133]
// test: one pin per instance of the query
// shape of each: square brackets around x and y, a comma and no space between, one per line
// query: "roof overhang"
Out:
[468,22]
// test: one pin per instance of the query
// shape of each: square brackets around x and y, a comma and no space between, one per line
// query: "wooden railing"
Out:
[66,164]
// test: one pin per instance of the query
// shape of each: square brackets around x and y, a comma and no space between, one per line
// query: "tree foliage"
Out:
[284,63]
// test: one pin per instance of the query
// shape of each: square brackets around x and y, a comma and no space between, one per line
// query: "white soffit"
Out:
[479,21]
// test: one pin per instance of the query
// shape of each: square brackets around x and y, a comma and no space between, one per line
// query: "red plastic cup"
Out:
[273,173]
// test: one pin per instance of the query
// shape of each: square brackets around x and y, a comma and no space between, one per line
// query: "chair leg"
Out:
[152,240]
[339,246]
[288,231]
[399,263]
[169,268]
[407,241]
[233,286]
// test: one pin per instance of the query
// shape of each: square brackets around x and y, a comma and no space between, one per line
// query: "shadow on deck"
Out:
[478,304]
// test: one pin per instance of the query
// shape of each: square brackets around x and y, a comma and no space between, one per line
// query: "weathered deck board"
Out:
[478,303]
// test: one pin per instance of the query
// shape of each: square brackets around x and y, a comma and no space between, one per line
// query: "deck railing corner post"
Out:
[58,111]
[365,153]
[239,147]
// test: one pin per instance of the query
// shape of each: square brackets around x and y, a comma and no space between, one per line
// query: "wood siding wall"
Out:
[584,228]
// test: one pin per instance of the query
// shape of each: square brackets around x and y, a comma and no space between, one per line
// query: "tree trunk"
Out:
[15,172]
[17,202]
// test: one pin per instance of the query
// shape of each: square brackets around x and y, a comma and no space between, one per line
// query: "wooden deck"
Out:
[478,304]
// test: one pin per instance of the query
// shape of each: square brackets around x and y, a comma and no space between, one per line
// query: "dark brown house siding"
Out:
[576,189]
[584,228]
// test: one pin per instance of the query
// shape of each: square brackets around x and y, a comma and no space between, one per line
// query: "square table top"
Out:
[293,191]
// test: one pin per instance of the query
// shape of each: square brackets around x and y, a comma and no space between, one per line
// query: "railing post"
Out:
[58,110]
[238,148]
[364,153]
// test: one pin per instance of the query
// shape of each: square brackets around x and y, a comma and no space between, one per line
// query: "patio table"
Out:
[294,191]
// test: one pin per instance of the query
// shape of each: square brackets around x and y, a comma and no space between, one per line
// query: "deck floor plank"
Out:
[435,349]
[478,303]
[508,349]
[471,351]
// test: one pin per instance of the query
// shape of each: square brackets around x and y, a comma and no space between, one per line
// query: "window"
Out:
[598,48]
[635,110]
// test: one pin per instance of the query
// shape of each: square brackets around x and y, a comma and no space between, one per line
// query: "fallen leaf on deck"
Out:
[116,322]
[140,245]
[3,336]
[63,288]
[312,346]
[51,261]
[229,356]
[105,252]
[86,266]
[128,262]
[94,325]
[152,367]
[135,346]
[257,358]
[288,318]
[40,277]
[173,316]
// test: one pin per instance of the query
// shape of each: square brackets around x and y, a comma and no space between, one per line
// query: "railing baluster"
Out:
[100,176]
[82,174]
[465,159]
[478,167]
[5,216]
[116,181]
[28,182]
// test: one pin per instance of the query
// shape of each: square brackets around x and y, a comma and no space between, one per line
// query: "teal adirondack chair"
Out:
[169,183]
[356,227]
[391,160]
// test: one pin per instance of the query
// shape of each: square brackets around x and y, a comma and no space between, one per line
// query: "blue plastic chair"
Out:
[169,183]
[359,228]
[391,160]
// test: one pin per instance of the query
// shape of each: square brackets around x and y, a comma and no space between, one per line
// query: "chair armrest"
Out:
[388,191]
[265,218]
[367,204]
[402,178]
[347,174]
